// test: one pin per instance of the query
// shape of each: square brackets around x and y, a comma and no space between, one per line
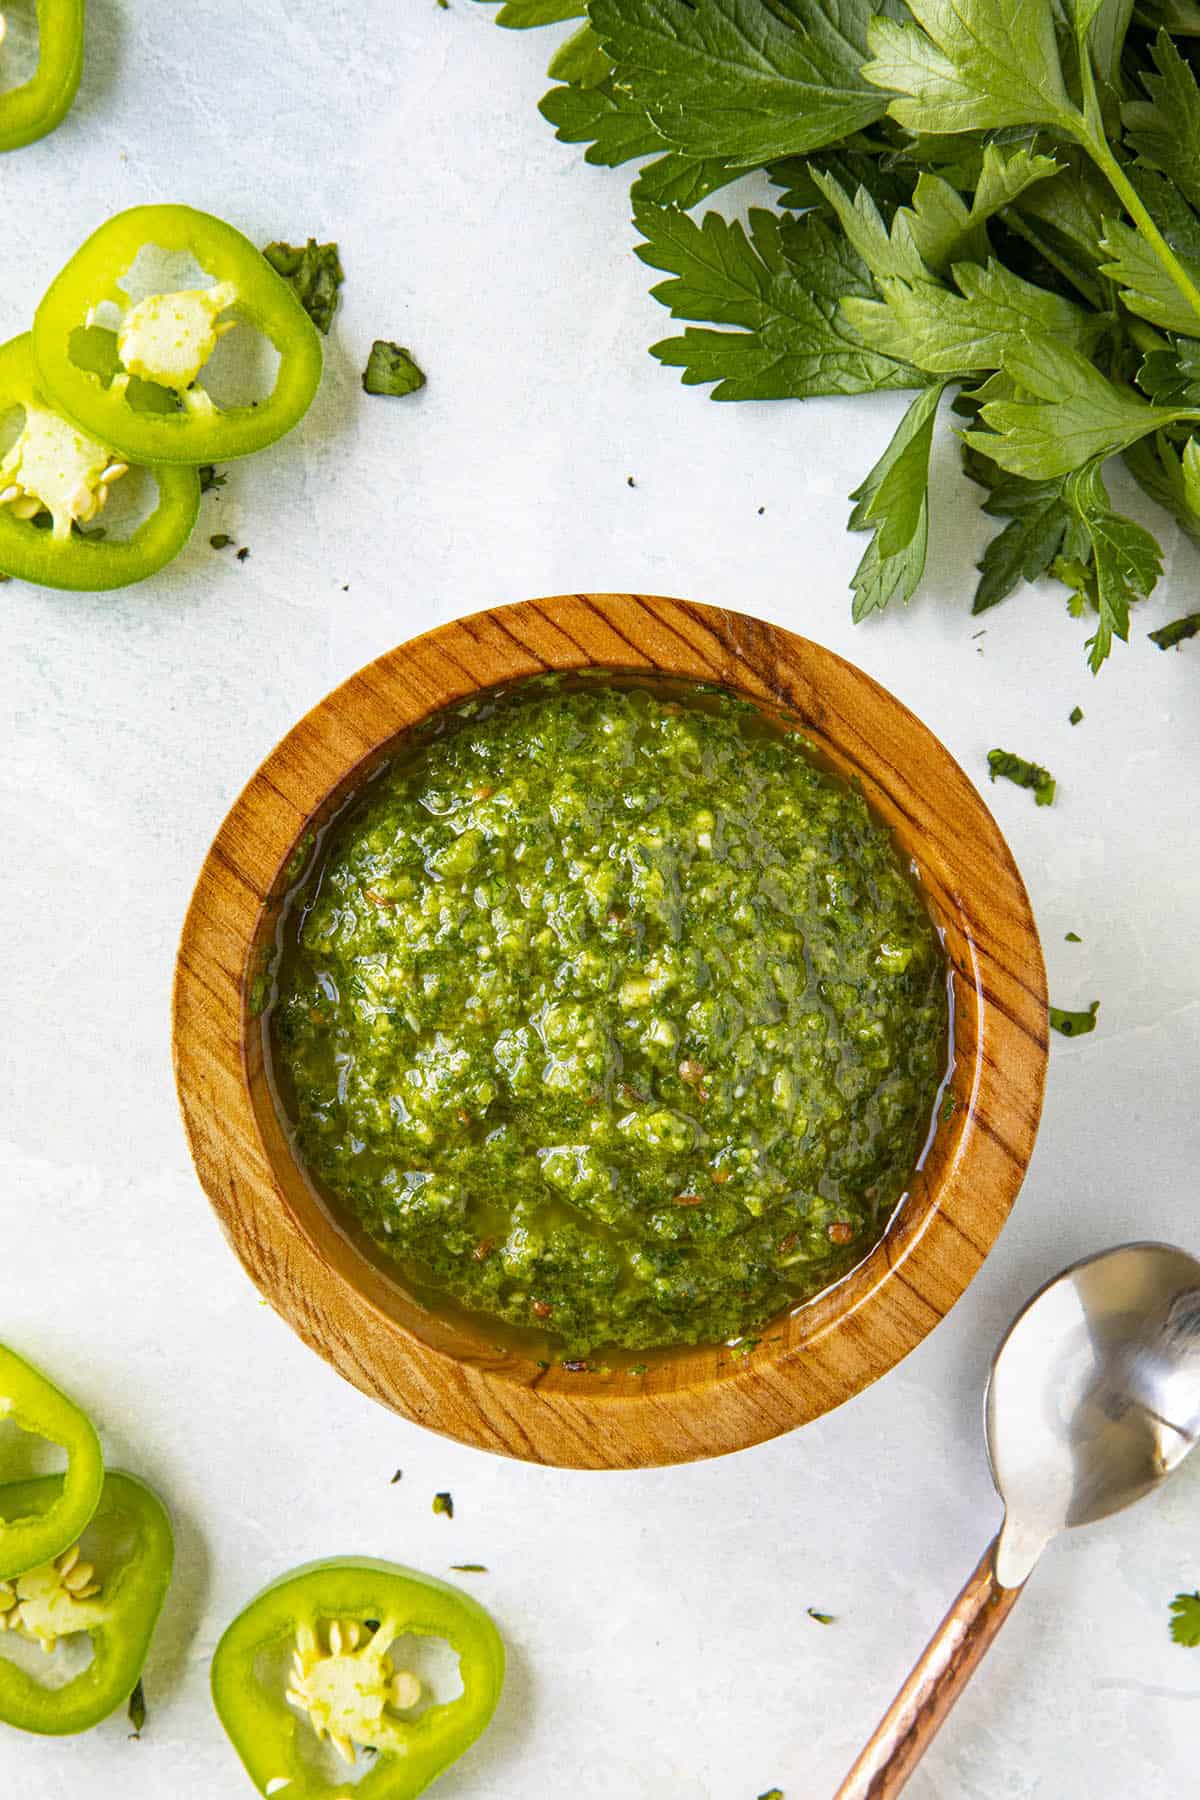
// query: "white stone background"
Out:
[656,1621]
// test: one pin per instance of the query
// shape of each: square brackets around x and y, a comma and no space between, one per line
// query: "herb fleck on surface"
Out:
[1168,637]
[137,1710]
[444,1503]
[314,273]
[1074,1024]
[1005,764]
[391,370]
[1185,1620]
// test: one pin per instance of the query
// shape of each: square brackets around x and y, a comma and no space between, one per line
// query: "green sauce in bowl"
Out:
[608,1011]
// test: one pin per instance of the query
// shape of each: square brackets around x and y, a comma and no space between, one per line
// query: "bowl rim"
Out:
[692,1404]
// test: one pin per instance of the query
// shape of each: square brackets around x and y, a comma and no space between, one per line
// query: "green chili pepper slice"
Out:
[115,1599]
[34,108]
[54,482]
[338,1619]
[35,1404]
[142,395]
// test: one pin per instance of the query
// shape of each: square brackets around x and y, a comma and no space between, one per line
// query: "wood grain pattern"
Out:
[923,1704]
[697,1402]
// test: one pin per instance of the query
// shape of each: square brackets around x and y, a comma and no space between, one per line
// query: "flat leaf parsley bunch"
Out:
[999,197]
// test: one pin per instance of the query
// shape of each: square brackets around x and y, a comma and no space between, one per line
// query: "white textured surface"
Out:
[659,1643]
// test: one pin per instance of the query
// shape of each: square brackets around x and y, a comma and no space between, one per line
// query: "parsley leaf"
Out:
[520,15]
[604,115]
[580,60]
[209,478]
[1167,637]
[1170,476]
[1182,16]
[1024,774]
[744,79]
[444,1503]
[607,118]
[1058,412]
[1041,527]
[1172,377]
[683,181]
[1125,563]
[1074,1024]
[1146,287]
[938,229]
[1185,1620]
[314,275]
[391,370]
[893,504]
[973,329]
[1164,129]
[972,65]
[779,287]
[821,1618]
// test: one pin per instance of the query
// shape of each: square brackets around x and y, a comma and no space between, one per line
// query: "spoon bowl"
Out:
[1094,1395]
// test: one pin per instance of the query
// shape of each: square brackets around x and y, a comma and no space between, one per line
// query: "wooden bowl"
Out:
[694,1402]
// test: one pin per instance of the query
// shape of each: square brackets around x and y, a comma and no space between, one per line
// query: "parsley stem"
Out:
[1097,148]
[1091,290]
[1144,336]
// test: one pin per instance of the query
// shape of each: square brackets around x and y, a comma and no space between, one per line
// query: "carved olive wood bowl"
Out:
[695,1402]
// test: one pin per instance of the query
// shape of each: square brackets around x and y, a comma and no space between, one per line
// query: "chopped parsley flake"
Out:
[137,1710]
[391,370]
[1185,1620]
[1168,637]
[314,275]
[444,1503]
[1024,774]
[1074,1024]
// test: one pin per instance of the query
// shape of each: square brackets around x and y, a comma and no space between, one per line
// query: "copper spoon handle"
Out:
[919,1710]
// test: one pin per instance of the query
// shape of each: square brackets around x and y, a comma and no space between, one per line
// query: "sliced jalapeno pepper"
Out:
[29,111]
[146,399]
[35,1404]
[55,480]
[339,1618]
[116,1600]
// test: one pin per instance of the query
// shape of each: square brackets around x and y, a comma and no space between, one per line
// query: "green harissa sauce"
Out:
[606,1010]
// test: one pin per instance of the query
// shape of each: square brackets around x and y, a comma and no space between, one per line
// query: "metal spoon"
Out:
[1093,1400]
